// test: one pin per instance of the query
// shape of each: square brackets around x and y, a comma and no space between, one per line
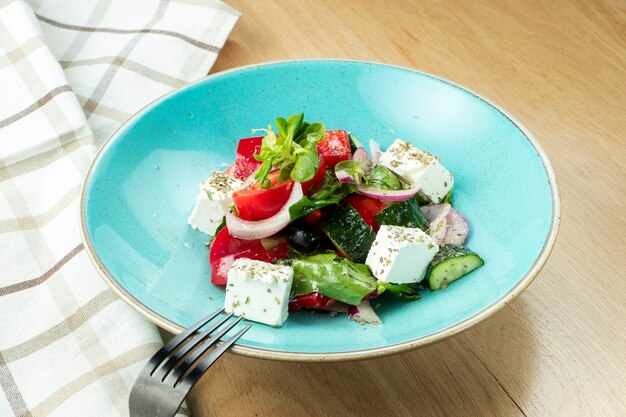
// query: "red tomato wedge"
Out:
[314,218]
[334,148]
[367,208]
[245,164]
[226,248]
[256,203]
[311,300]
[276,246]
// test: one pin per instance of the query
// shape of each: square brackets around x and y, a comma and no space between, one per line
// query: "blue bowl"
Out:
[143,182]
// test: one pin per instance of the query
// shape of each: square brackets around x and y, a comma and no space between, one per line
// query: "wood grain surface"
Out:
[560,348]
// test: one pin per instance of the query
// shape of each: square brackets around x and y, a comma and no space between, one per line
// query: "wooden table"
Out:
[560,348]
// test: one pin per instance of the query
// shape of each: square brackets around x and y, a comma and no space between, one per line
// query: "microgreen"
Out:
[293,150]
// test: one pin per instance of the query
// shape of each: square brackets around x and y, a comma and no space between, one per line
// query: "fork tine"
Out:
[206,363]
[188,362]
[176,357]
[158,357]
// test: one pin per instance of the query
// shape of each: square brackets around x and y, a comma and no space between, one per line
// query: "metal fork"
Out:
[170,374]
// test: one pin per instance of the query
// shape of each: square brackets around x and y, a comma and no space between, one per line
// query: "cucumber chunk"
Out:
[450,264]
[349,232]
[355,143]
[405,214]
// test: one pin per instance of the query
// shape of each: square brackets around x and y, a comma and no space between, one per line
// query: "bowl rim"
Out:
[264,353]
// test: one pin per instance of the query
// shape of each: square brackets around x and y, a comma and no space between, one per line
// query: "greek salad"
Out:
[307,219]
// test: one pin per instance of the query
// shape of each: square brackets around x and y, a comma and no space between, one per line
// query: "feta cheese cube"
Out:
[213,200]
[401,255]
[420,168]
[259,291]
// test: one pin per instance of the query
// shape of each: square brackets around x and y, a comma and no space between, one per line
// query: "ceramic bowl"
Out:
[143,183]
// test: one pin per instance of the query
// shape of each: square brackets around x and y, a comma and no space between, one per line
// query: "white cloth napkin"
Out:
[70,72]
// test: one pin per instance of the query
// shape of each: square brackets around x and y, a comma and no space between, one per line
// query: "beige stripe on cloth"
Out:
[68,345]
[22,52]
[23,285]
[130,65]
[194,42]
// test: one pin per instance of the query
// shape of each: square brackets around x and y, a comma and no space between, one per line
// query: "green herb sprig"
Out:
[293,150]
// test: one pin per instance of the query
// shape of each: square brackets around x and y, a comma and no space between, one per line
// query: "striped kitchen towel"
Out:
[70,72]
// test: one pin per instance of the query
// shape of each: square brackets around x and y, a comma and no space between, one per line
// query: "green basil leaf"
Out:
[407,292]
[383,178]
[332,276]
[331,192]
[329,185]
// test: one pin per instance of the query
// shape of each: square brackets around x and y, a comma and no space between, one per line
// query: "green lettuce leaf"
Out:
[407,292]
[332,276]
[330,192]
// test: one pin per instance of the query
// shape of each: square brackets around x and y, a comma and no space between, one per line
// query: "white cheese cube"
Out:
[214,198]
[259,291]
[401,255]
[420,168]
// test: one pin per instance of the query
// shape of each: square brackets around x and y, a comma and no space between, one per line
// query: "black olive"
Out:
[303,237]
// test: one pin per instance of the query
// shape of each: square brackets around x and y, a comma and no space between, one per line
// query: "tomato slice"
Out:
[367,208]
[226,248]
[311,186]
[314,218]
[256,203]
[276,246]
[335,147]
[245,164]
[311,300]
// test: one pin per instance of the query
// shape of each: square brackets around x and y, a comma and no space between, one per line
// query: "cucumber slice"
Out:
[450,264]
[405,214]
[355,143]
[420,199]
[349,232]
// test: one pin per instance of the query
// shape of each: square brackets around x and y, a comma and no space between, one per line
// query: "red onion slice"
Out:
[458,228]
[338,307]
[249,229]
[437,216]
[387,195]
[249,181]
[432,211]
[361,155]
[364,313]
[376,151]
[343,176]
[438,229]
[447,225]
